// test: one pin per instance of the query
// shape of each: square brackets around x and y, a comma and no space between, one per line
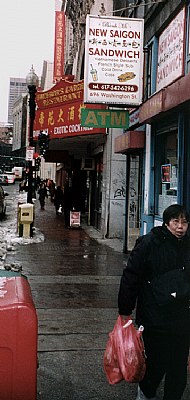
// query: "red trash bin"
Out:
[18,340]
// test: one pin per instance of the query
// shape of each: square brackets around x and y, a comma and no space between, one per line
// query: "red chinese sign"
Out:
[59,45]
[59,111]
[166,173]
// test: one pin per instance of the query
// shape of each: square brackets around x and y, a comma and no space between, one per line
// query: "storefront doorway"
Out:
[98,190]
[133,200]
[166,168]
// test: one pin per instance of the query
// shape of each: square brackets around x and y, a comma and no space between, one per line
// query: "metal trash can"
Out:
[18,339]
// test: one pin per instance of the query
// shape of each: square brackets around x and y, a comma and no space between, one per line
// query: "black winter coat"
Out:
[58,197]
[154,254]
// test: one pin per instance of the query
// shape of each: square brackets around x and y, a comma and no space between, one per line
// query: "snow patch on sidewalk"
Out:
[9,235]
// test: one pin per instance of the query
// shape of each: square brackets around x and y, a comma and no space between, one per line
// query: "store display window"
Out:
[166,170]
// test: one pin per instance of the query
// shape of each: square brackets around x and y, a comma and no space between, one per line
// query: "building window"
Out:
[150,70]
[166,169]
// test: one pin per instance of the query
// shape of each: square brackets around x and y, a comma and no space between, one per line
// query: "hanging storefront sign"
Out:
[171,51]
[59,45]
[134,117]
[59,111]
[104,118]
[113,60]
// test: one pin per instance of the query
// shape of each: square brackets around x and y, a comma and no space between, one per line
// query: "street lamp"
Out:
[32,82]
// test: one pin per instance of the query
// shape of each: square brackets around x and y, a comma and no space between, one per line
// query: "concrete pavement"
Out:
[74,280]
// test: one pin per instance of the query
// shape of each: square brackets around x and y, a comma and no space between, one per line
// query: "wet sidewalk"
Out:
[74,281]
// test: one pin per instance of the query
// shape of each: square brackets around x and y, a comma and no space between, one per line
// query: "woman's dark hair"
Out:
[174,211]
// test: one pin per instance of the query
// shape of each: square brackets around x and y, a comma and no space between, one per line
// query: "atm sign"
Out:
[104,118]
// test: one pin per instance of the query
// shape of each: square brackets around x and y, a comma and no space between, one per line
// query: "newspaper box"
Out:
[26,216]
[74,219]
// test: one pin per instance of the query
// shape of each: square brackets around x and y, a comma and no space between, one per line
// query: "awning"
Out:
[60,150]
[130,141]
[169,98]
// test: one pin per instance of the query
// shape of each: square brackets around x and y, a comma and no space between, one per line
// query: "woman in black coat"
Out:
[156,282]
[58,199]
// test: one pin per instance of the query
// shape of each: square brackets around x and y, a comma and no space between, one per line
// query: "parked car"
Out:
[3,180]
[3,204]
[10,176]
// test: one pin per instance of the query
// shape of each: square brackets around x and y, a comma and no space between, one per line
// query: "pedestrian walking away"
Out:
[156,284]
[58,199]
[52,190]
[68,203]
[42,195]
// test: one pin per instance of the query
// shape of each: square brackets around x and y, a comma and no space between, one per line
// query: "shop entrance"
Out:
[133,200]
[96,192]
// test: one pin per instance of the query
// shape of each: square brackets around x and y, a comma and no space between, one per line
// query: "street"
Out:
[74,282]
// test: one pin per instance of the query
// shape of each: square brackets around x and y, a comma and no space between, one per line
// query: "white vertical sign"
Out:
[171,51]
[29,153]
[113,60]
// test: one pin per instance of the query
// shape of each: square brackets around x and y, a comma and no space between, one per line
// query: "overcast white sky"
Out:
[26,37]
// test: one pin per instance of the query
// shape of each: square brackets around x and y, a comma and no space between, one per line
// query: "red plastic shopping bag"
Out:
[124,357]
[110,362]
[130,352]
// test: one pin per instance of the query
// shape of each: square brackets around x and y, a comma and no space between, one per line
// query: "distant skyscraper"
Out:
[47,75]
[16,88]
